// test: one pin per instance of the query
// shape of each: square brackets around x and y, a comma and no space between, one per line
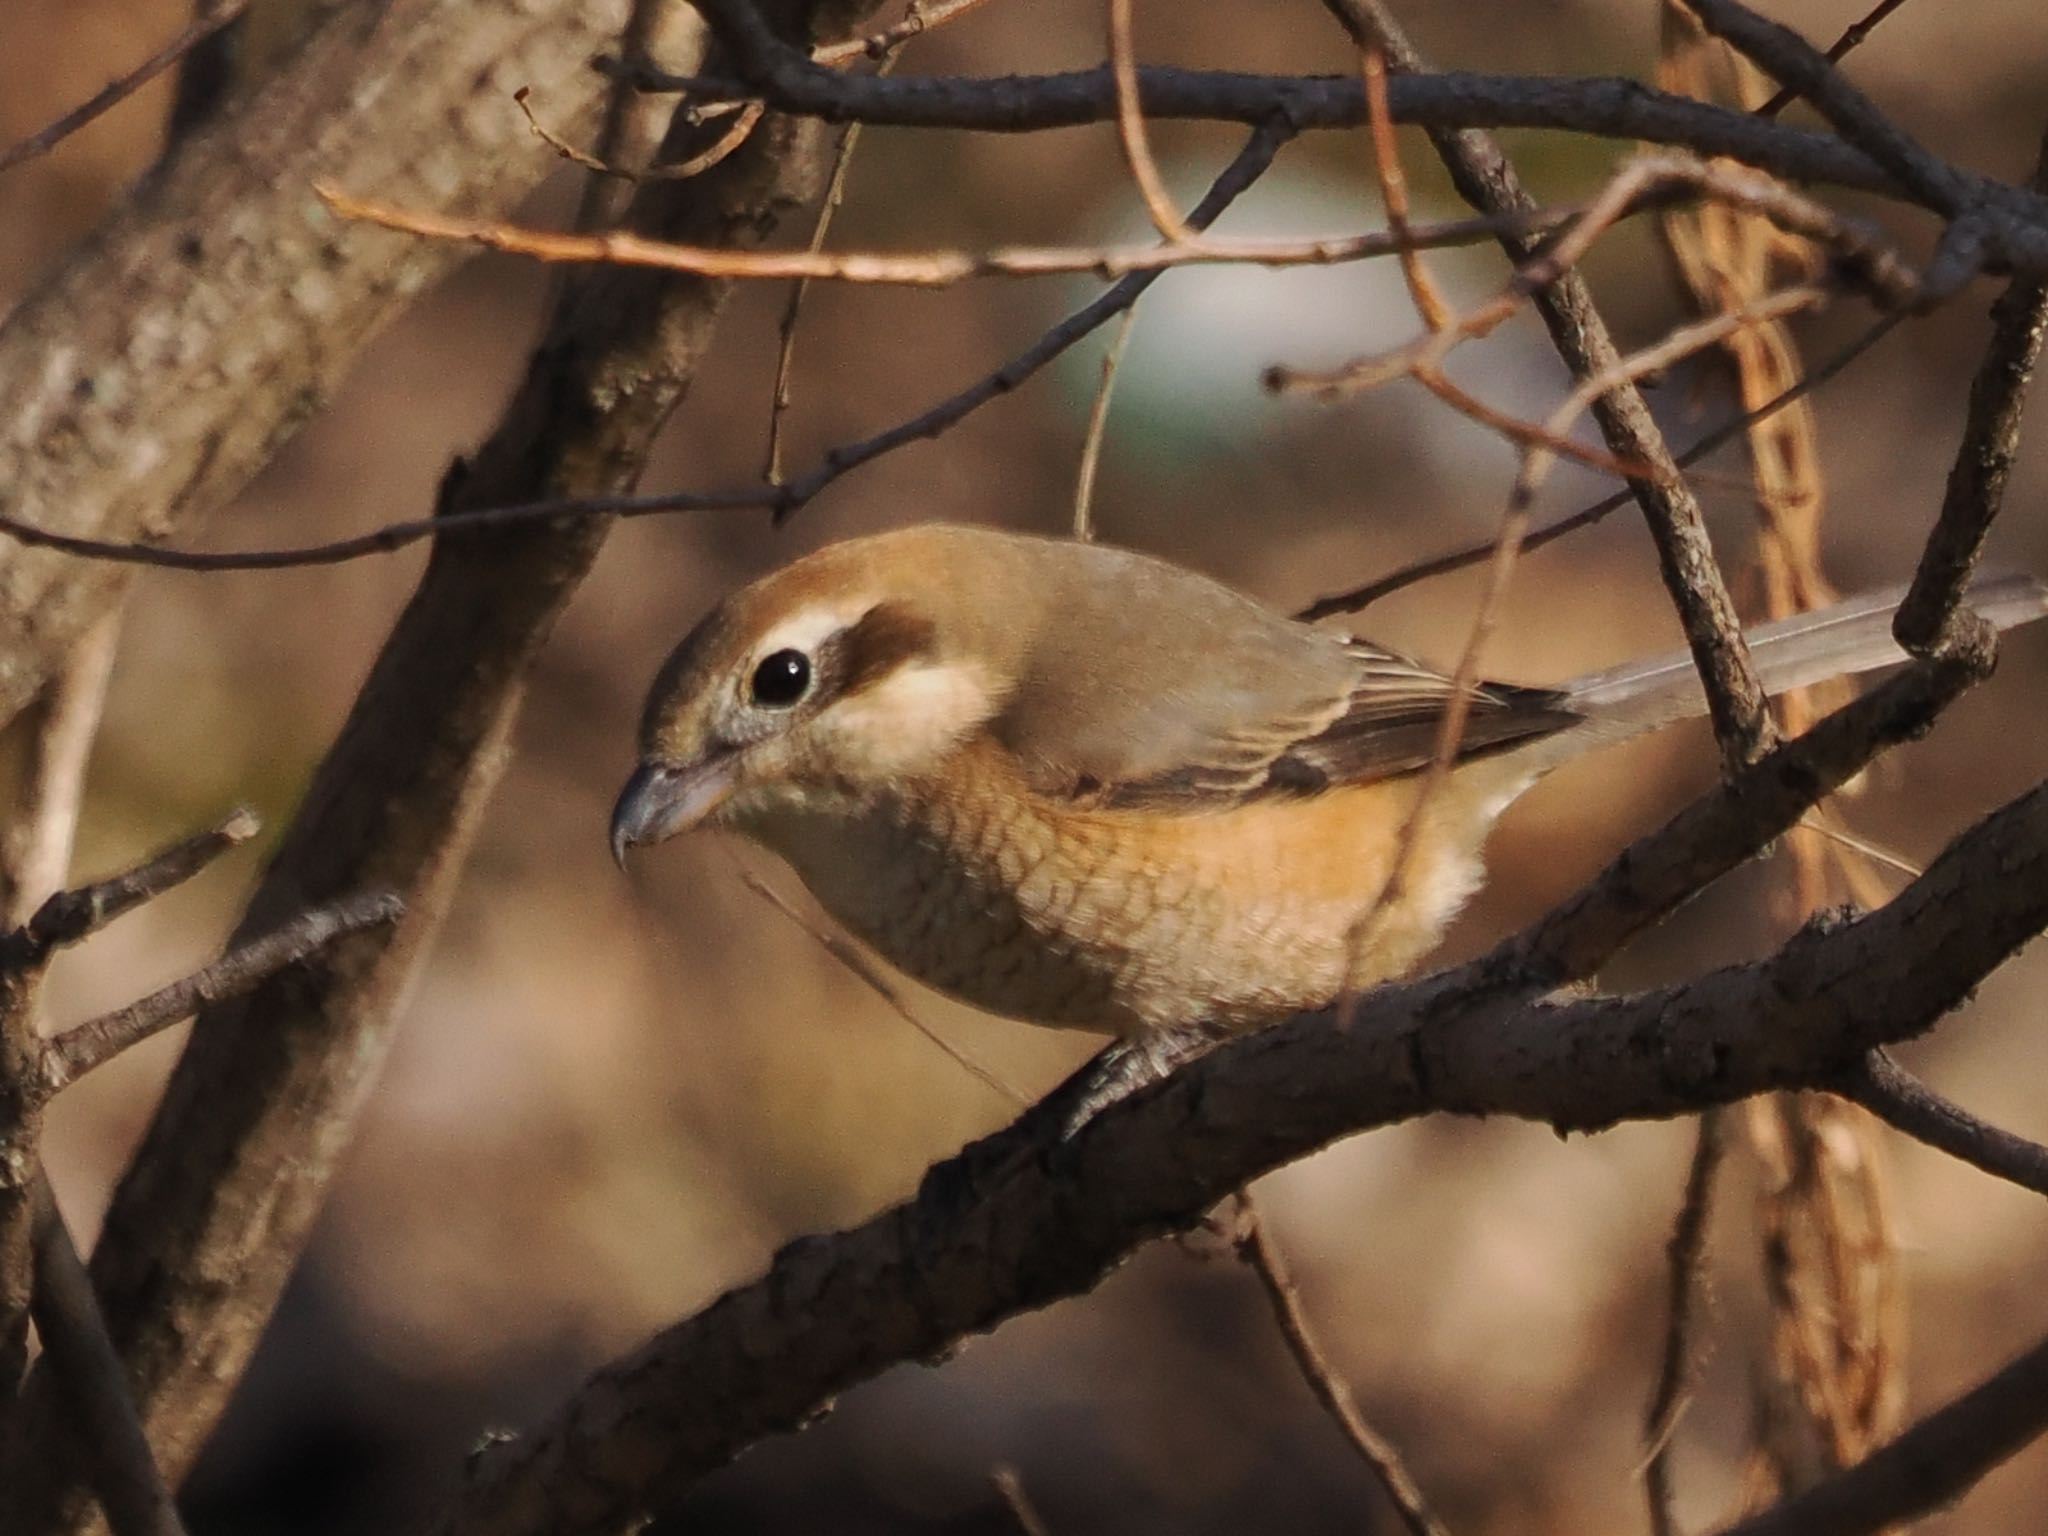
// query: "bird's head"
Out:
[818,687]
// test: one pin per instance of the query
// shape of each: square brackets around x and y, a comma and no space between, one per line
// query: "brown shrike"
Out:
[1081,786]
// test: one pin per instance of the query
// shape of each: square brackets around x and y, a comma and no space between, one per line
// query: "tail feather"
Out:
[1808,648]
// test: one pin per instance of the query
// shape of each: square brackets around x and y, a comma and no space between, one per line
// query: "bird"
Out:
[1082,786]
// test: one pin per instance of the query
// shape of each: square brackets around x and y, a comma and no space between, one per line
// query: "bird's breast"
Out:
[1132,920]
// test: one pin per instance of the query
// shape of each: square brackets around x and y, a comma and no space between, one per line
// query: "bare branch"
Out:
[1022,1220]
[916,269]
[211,17]
[1796,63]
[1909,1106]
[1098,427]
[37,853]
[1927,1467]
[1130,127]
[1983,464]
[72,915]
[1850,40]
[1682,1278]
[1262,1256]
[1621,109]
[920,17]
[85,1046]
[1359,598]
[1251,162]
[93,1385]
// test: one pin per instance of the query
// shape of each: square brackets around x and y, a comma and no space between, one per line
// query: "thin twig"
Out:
[1908,1105]
[72,915]
[1130,128]
[1862,261]
[1250,163]
[1848,42]
[864,971]
[209,20]
[1684,1275]
[918,19]
[1359,598]
[785,356]
[1098,424]
[1428,299]
[680,170]
[82,1047]
[916,269]
[1983,463]
[1256,1248]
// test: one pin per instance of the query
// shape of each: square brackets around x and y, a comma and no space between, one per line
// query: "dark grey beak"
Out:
[662,799]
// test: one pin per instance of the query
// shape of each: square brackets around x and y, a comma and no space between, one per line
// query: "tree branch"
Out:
[1984,460]
[211,17]
[1909,1106]
[1024,1219]
[2016,220]
[1927,1467]
[130,409]
[79,1049]
[94,1387]
[206,1223]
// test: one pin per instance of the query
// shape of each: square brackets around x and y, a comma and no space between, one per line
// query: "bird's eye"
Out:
[780,679]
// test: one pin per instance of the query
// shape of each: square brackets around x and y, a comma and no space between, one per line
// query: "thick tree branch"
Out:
[129,407]
[1025,1219]
[209,1218]
[90,1380]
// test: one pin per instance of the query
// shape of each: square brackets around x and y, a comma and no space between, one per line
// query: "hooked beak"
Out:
[662,799]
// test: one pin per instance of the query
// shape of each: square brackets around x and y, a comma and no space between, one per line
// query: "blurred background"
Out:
[613,1097]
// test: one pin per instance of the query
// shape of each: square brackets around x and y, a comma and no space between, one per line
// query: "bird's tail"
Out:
[1808,648]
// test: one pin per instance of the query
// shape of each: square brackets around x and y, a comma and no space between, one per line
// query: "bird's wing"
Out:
[1244,721]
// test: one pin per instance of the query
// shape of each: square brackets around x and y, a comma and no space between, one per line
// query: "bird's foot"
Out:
[1122,1068]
